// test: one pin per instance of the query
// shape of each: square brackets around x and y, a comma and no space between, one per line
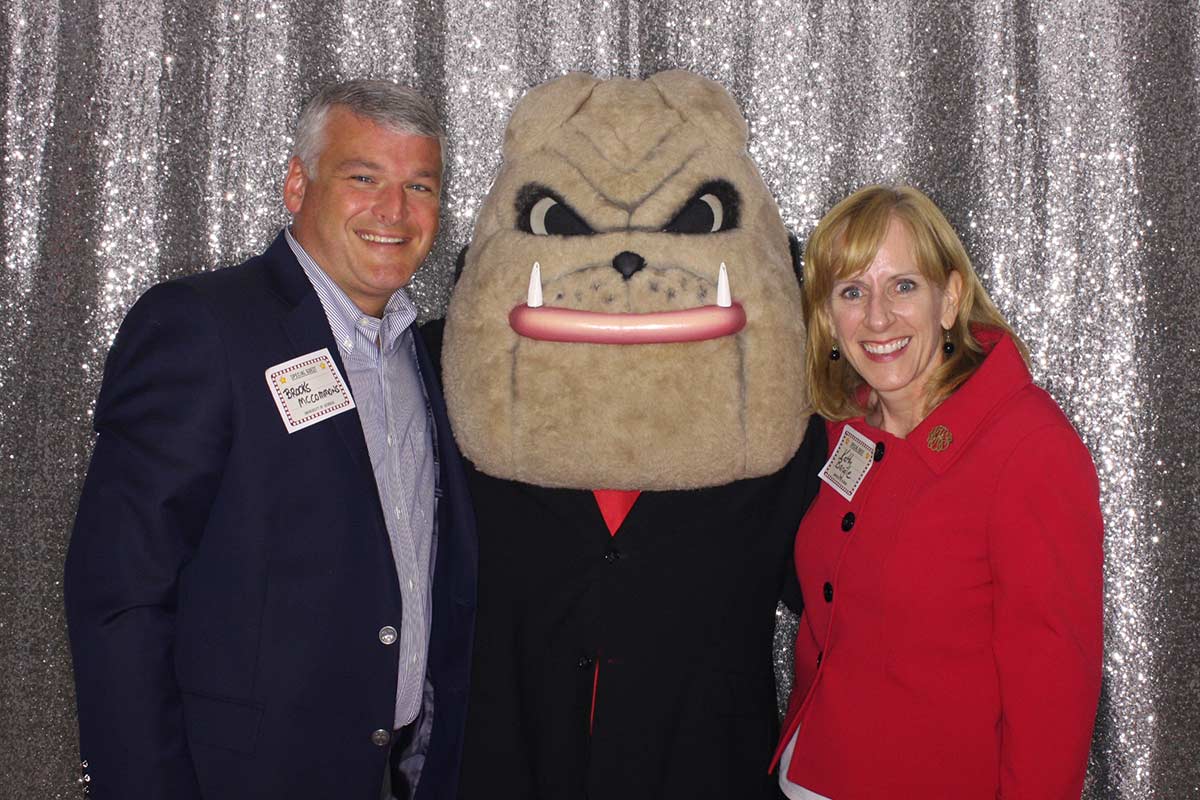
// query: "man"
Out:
[270,586]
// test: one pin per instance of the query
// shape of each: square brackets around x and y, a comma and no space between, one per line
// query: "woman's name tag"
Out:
[848,465]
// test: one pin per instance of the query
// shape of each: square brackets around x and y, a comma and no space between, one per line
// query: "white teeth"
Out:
[370,237]
[534,299]
[884,349]
[724,298]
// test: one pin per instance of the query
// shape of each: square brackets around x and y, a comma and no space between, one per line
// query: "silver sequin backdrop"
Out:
[144,139]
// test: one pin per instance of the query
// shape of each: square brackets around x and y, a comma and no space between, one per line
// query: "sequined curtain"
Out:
[143,139]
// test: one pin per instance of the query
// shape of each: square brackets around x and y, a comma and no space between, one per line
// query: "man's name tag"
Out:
[851,459]
[308,389]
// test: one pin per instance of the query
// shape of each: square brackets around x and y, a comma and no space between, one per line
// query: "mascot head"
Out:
[628,311]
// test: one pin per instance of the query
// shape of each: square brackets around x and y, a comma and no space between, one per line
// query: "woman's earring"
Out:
[948,347]
[834,355]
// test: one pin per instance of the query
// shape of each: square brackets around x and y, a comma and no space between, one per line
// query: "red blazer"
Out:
[951,640]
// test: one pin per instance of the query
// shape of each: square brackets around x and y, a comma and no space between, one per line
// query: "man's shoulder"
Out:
[258,283]
[251,275]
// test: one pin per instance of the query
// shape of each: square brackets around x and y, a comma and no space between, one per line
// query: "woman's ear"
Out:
[951,296]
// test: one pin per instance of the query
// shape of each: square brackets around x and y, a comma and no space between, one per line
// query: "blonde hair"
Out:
[844,244]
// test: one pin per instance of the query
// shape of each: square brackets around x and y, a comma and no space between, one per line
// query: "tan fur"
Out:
[626,155]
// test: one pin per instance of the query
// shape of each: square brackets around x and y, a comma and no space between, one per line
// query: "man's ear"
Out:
[797,261]
[294,185]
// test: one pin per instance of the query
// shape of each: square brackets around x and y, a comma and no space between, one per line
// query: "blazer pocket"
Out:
[217,722]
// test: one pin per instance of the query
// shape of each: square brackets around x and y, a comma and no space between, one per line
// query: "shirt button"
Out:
[828,592]
[387,634]
[398,512]
[389,440]
[348,344]
[848,521]
[381,738]
[411,585]
[413,660]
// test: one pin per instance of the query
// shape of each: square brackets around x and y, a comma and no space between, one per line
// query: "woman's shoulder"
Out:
[1030,408]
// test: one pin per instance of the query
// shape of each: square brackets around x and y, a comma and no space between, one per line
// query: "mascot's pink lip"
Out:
[551,324]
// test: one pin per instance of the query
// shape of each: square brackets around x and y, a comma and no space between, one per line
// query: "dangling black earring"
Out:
[834,355]
[948,347]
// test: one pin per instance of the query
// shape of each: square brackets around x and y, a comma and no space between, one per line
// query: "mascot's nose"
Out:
[628,263]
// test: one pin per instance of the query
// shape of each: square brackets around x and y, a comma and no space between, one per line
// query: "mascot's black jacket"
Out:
[662,632]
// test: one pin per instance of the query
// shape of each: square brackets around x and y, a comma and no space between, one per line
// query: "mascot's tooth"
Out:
[724,298]
[534,300]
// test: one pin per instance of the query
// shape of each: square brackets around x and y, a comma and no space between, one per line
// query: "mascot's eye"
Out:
[541,213]
[714,207]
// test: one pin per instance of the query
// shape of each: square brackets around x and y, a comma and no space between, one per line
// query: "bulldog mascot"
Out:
[623,366]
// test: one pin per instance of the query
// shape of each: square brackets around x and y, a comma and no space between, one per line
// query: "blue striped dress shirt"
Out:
[381,365]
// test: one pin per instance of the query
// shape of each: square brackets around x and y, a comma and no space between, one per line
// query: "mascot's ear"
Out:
[704,103]
[542,111]
[461,262]
[793,248]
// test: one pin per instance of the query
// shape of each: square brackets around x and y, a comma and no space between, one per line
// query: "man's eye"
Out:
[712,208]
[542,214]
[420,187]
[362,179]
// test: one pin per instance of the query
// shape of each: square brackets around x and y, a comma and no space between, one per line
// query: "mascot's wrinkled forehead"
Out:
[628,311]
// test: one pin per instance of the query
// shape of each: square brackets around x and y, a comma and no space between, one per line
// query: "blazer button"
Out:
[612,556]
[848,521]
[585,662]
[828,590]
[879,451]
[819,657]
[387,634]
[381,738]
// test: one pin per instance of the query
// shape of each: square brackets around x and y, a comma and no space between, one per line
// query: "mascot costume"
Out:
[623,366]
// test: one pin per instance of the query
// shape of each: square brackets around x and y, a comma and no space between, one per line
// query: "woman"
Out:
[951,565]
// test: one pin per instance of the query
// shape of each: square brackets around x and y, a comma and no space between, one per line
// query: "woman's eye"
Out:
[906,286]
[544,215]
[851,293]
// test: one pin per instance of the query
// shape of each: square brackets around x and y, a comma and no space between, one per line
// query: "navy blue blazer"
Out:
[227,582]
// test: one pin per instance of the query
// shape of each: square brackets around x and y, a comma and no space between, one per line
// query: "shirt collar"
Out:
[944,434]
[350,326]
[947,431]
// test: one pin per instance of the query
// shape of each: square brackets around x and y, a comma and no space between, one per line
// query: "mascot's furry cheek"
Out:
[632,409]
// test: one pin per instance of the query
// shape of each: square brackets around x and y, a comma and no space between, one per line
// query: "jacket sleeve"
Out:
[163,419]
[1046,548]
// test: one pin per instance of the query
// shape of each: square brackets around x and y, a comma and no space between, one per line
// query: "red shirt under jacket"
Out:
[950,645]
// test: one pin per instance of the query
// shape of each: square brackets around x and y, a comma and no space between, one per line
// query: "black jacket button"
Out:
[879,451]
[585,662]
[828,591]
[848,521]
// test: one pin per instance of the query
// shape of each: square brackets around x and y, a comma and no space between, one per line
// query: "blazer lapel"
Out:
[308,329]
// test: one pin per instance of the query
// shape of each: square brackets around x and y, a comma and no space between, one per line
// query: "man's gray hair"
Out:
[395,107]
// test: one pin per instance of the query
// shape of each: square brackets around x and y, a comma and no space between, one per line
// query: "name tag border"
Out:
[290,423]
